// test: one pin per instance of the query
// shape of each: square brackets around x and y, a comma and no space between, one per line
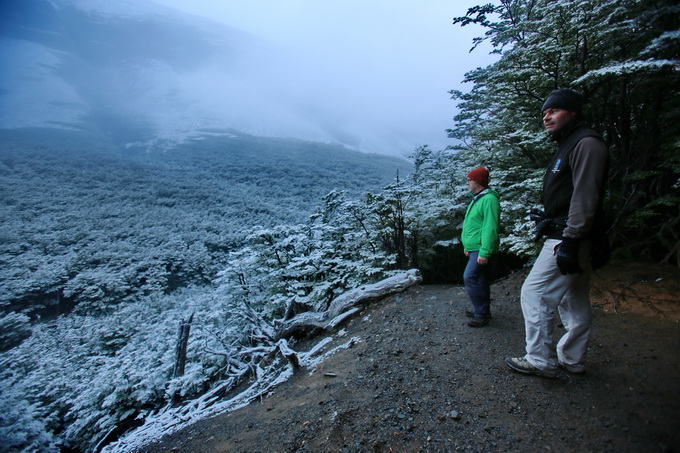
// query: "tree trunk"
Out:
[181,349]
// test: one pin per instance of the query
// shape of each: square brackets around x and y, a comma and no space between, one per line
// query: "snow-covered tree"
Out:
[623,56]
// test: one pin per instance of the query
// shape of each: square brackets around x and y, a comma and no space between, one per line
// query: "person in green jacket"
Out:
[480,242]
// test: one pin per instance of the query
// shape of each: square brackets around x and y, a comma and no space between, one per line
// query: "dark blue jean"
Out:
[477,279]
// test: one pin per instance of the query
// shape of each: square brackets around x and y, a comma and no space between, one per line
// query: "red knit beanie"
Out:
[480,176]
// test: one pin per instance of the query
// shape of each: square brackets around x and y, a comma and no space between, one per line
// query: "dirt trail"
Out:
[420,379]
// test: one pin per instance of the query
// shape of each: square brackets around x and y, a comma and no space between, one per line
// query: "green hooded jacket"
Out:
[481,224]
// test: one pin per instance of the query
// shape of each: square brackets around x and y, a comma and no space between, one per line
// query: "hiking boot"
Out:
[522,365]
[470,314]
[573,369]
[478,322]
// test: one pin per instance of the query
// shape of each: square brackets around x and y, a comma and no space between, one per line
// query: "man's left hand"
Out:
[567,257]
[482,261]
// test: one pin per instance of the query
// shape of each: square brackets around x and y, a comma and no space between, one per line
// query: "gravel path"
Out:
[420,379]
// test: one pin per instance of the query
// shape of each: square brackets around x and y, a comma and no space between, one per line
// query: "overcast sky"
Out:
[383,66]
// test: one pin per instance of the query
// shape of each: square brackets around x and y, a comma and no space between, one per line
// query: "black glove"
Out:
[536,215]
[542,229]
[542,223]
[567,257]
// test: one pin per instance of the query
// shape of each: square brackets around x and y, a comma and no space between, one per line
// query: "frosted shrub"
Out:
[22,425]
[14,328]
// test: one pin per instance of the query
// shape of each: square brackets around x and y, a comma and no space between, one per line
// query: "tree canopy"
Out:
[623,56]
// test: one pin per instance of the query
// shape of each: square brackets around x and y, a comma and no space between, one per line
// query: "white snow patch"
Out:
[628,68]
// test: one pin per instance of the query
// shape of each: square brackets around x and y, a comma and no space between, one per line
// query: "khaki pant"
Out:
[546,291]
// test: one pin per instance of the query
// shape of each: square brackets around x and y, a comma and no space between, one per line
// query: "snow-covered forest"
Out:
[87,225]
[107,255]
[105,252]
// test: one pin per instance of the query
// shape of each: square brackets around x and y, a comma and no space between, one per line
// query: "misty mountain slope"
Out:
[137,72]
[83,222]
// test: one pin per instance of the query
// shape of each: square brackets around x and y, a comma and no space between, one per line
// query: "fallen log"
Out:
[341,305]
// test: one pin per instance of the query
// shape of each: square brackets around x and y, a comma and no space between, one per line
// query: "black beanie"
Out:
[564,98]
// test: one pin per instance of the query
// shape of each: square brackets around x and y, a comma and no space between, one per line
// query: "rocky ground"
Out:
[420,379]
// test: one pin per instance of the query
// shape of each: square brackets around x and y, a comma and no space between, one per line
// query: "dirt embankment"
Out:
[420,379]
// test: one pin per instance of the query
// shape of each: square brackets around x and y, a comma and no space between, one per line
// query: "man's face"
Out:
[555,120]
[474,186]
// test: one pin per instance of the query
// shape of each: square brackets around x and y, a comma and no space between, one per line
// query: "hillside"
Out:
[419,379]
[105,250]
[84,221]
